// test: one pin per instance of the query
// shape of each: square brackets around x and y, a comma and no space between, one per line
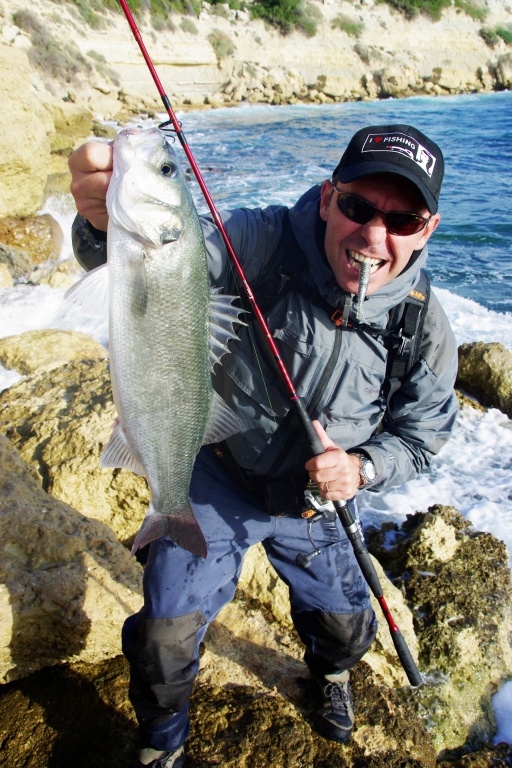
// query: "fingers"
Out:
[335,472]
[91,169]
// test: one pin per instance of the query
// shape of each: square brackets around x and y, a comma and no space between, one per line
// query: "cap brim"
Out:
[368,168]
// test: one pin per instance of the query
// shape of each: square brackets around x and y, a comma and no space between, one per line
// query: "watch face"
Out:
[369,470]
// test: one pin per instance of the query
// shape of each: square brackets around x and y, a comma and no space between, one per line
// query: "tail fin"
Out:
[182,527]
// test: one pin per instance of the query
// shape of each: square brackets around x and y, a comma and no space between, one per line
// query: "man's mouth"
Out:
[356,259]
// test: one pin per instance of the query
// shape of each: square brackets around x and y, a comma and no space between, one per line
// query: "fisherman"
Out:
[358,242]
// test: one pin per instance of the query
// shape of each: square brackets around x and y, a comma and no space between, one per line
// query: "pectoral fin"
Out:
[90,293]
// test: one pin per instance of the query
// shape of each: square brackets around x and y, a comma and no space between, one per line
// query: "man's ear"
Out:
[325,199]
[431,226]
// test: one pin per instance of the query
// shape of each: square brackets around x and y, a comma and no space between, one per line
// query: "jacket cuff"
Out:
[89,243]
[377,460]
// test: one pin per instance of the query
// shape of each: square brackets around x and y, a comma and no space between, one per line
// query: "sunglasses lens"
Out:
[361,211]
[356,209]
[404,223]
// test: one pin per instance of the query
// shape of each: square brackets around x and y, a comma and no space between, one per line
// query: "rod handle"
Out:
[402,649]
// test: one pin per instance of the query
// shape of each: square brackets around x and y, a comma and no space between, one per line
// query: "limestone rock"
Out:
[504,71]
[260,583]
[17,262]
[60,422]
[458,579]
[39,236]
[38,351]
[485,371]
[67,584]
[25,149]
[6,280]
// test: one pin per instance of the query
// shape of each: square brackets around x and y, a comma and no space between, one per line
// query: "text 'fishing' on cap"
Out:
[398,149]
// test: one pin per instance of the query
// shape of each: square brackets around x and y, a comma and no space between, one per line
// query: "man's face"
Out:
[347,243]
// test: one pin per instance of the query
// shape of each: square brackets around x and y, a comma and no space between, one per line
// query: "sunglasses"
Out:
[360,211]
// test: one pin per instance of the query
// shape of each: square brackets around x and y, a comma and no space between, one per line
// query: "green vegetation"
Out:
[103,67]
[55,58]
[347,25]
[491,36]
[411,8]
[221,44]
[187,25]
[288,15]
[472,9]
[505,34]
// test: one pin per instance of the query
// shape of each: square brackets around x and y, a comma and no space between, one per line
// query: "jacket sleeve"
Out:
[423,412]
[89,243]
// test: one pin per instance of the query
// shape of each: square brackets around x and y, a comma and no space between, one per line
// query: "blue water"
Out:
[257,155]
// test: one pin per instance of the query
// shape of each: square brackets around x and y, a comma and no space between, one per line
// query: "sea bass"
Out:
[161,309]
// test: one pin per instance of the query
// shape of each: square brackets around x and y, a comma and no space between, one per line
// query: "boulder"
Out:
[16,261]
[44,350]
[67,583]
[504,72]
[6,280]
[485,372]
[260,582]
[60,422]
[25,143]
[458,580]
[38,236]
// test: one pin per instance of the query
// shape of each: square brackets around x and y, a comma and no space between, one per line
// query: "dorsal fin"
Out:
[222,316]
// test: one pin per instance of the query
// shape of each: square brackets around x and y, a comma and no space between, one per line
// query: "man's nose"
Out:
[375,230]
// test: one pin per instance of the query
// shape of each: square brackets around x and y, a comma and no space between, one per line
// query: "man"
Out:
[376,214]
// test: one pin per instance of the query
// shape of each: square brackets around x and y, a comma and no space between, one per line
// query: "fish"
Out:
[364,278]
[167,329]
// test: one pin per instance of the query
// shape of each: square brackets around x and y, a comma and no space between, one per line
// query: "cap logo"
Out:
[405,145]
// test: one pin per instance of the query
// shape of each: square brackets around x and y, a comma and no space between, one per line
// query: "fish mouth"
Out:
[357,259]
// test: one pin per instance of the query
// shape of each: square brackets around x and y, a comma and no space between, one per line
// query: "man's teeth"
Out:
[355,259]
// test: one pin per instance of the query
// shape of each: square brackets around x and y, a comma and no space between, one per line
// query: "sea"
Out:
[257,155]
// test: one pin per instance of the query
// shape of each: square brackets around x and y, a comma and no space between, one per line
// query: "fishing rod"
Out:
[342,509]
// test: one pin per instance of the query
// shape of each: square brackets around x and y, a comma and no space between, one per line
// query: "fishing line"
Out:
[342,509]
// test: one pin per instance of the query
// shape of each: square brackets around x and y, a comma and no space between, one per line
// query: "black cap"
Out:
[399,149]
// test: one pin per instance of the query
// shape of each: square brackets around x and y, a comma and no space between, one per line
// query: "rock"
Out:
[67,584]
[458,579]
[17,262]
[504,71]
[397,81]
[49,717]
[25,139]
[39,236]
[6,280]
[59,275]
[485,371]
[44,350]
[41,414]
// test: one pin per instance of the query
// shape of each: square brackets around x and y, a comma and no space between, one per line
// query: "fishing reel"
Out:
[316,508]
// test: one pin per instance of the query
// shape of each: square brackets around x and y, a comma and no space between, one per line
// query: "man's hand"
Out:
[91,169]
[335,472]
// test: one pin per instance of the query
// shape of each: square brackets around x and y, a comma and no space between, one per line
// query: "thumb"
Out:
[326,441]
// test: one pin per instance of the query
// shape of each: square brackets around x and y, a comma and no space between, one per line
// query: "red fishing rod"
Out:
[345,515]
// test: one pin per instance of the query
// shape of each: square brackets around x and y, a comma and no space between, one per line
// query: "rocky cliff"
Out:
[60,73]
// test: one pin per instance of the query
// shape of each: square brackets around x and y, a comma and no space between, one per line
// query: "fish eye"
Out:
[168,169]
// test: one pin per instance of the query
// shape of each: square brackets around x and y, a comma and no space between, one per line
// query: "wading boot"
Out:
[333,716]
[154,758]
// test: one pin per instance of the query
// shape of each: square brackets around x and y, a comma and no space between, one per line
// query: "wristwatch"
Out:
[367,471]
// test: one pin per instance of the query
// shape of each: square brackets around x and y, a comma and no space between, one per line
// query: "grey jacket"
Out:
[401,440]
